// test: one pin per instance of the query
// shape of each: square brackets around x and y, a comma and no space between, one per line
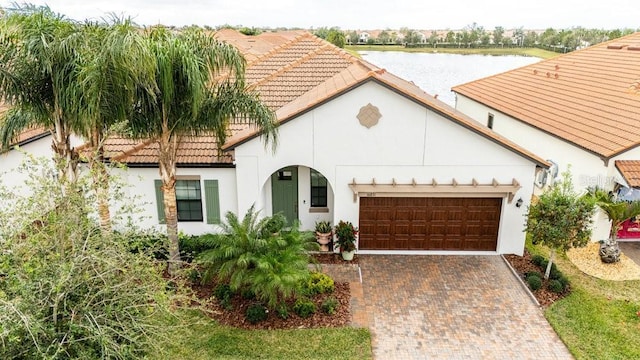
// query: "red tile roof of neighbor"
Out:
[630,171]
[587,97]
[295,71]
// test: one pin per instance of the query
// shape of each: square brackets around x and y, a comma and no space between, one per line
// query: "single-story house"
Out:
[580,108]
[356,143]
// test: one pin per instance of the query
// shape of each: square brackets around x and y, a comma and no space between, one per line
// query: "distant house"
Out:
[363,37]
[580,108]
[356,143]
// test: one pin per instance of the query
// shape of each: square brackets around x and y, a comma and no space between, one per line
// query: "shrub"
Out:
[256,313]
[319,283]
[248,294]
[223,294]
[192,246]
[533,273]
[538,260]
[564,281]
[534,282]
[274,267]
[283,311]
[222,291]
[330,305]
[194,275]
[554,273]
[69,290]
[555,286]
[304,308]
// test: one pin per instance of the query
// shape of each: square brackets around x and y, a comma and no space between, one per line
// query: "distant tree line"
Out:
[471,36]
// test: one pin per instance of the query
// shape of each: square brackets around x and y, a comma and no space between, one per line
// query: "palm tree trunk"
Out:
[65,157]
[171,217]
[167,164]
[101,187]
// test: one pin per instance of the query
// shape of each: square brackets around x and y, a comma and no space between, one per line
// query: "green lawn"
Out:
[205,339]
[535,52]
[598,320]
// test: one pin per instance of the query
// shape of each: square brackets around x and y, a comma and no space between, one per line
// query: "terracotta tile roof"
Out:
[630,170]
[587,97]
[294,71]
[27,135]
[192,150]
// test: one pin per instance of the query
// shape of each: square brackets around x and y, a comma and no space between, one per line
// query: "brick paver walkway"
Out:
[452,307]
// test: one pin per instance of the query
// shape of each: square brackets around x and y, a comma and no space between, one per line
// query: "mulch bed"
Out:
[236,315]
[333,258]
[522,265]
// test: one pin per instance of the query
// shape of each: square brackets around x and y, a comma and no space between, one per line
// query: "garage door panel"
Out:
[429,223]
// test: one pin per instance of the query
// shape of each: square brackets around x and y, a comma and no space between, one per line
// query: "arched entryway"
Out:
[300,193]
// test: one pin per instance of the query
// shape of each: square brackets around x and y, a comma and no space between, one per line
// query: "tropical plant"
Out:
[618,211]
[39,79]
[114,64]
[199,88]
[274,224]
[323,227]
[274,267]
[560,218]
[346,236]
[67,290]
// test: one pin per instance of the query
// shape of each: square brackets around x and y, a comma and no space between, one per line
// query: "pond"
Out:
[438,73]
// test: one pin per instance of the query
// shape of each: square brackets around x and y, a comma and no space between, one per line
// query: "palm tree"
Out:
[200,88]
[38,79]
[116,62]
[618,211]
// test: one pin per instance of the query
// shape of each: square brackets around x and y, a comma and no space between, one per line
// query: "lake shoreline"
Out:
[531,52]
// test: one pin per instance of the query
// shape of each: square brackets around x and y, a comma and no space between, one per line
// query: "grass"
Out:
[598,320]
[205,339]
[534,52]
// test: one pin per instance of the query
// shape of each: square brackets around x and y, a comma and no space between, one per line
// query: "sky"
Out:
[361,15]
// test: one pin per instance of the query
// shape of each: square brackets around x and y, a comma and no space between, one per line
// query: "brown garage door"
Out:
[429,223]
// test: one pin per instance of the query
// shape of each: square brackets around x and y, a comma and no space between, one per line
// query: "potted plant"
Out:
[618,211]
[346,239]
[323,234]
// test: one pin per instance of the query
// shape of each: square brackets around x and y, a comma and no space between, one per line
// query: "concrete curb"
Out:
[524,286]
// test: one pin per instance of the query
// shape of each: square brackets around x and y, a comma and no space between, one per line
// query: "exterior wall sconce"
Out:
[519,202]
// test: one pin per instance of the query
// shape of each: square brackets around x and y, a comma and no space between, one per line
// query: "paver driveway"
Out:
[453,307]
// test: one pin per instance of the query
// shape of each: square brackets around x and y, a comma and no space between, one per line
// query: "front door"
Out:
[284,193]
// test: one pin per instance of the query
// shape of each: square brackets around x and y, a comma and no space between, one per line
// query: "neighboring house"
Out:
[580,108]
[34,141]
[363,37]
[356,143]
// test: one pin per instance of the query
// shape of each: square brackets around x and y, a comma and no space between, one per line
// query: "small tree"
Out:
[561,218]
[336,37]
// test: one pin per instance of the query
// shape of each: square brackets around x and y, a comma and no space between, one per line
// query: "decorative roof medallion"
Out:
[369,115]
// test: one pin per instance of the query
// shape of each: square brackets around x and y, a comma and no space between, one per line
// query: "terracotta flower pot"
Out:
[323,239]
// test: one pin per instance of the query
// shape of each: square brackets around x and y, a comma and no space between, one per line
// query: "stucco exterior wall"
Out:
[11,160]
[141,189]
[587,169]
[409,142]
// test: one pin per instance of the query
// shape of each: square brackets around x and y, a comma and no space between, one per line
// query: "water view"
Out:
[438,73]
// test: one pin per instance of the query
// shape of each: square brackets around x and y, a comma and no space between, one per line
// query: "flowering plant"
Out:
[346,234]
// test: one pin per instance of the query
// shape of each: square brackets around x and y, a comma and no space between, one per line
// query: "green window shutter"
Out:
[212,198]
[160,201]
